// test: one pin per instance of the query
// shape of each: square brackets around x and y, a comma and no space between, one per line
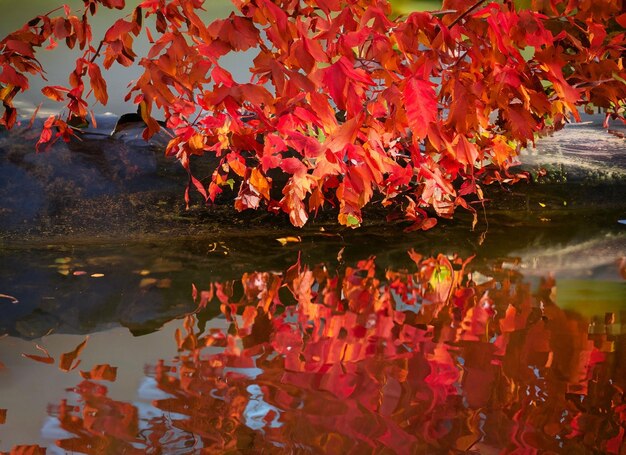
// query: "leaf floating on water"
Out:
[103,372]
[542,204]
[38,358]
[79,273]
[97,275]
[10,297]
[68,361]
[3,416]
[285,240]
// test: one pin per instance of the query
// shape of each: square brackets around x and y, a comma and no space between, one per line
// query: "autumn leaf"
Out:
[11,77]
[69,360]
[55,93]
[3,416]
[118,30]
[350,101]
[98,84]
[466,152]
[420,103]
[260,183]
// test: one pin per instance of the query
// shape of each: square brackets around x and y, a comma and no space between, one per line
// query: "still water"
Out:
[510,338]
[342,342]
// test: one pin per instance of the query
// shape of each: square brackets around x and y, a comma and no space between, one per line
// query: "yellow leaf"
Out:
[260,183]
[285,240]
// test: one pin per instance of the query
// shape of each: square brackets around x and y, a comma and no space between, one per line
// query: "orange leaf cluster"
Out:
[345,103]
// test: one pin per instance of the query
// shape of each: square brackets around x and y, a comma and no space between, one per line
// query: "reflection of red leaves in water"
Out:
[28,450]
[3,416]
[101,372]
[68,360]
[358,360]
[38,358]
[103,425]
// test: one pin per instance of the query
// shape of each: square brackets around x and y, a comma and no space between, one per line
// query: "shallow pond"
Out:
[346,342]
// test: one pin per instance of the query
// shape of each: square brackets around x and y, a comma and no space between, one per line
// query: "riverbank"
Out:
[112,188]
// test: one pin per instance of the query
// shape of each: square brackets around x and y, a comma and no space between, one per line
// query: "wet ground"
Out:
[204,331]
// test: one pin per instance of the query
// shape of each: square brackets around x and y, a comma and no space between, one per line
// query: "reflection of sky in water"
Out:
[257,410]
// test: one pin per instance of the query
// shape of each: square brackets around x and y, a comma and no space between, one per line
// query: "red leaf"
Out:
[98,84]
[118,30]
[199,186]
[10,76]
[46,132]
[118,4]
[101,373]
[466,152]
[420,101]
[293,166]
[54,92]
[521,123]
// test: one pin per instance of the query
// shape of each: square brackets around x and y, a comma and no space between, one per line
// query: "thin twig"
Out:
[95,56]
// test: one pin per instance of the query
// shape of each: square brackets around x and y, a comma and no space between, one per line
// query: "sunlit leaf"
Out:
[290,239]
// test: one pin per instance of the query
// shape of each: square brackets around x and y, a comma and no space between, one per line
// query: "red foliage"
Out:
[344,102]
